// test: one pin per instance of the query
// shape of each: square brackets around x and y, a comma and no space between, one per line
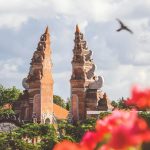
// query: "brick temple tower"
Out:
[85,85]
[37,100]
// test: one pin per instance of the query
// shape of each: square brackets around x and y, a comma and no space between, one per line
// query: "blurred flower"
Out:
[125,128]
[139,98]
[119,131]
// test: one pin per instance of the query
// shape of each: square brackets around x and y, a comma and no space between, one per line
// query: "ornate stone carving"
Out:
[40,92]
[97,83]
[36,75]
[41,46]
[84,44]
[37,97]
[78,59]
[84,84]
[45,116]
[102,103]
[90,73]
[88,56]
[25,83]
[78,74]
[43,37]
[31,71]
[37,58]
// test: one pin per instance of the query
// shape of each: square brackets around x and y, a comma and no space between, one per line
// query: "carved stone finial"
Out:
[46,30]
[77,28]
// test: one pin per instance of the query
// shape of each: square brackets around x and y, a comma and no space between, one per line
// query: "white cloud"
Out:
[118,82]
[13,20]
[76,10]
[10,73]
[122,59]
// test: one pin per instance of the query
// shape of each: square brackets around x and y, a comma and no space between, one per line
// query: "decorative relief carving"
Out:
[90,73]
[43,37]
[88,56]
[78,74]
[41,46]
[36,75]
[78,58]
[97,83]
[37,58]
[46,116]
[84,44]
[25,83]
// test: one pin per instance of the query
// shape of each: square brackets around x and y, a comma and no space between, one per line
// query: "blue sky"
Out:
[121,58]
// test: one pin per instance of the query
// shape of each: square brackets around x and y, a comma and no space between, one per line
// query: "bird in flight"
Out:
[123,27]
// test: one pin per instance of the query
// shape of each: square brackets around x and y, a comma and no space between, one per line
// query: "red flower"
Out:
[122,138]
[139,98]
[90,140]
[119,131]
[115,119]
[125,128]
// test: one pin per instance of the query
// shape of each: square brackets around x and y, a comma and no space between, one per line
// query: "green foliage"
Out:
[29,130]
[10,141]
[6,112]
[68,104]
[32,130]
[14,140]
[75,132]
[59,101]
[120,104]
[8,95]
[104,114]
[66,137]
[48,142]
[46,132]
[114,104]
[146,116]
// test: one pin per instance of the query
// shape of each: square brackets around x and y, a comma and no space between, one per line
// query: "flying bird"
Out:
[123,27]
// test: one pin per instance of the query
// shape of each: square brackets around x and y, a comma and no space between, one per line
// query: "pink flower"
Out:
[122,138]
[90,139]
[116,118]
[139,98]
[125,128]
[118,131]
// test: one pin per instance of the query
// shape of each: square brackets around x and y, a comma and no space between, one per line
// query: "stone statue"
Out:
[102,103]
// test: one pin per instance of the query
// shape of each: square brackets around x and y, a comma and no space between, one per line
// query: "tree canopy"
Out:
[59,101]
[8,95]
